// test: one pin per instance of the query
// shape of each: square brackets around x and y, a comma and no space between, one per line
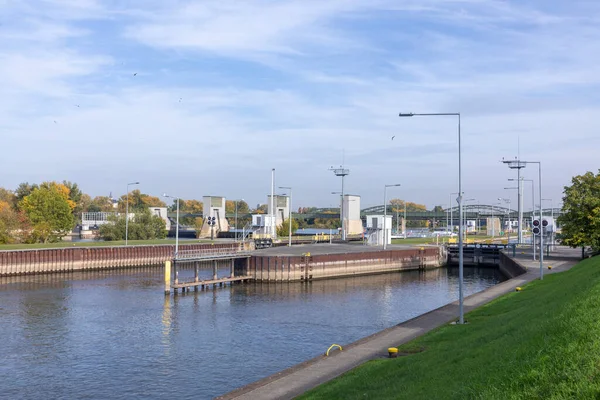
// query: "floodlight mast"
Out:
[518,165]
[341,171]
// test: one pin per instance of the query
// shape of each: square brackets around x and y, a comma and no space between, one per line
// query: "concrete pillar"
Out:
[196,271]
[215,270]
[233,267]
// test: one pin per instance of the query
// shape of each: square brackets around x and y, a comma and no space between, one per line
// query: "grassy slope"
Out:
[543,342]
[95,244]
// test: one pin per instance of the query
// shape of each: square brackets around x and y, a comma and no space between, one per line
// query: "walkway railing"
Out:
[212,254]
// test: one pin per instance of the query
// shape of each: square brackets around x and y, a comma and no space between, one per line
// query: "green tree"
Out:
[580,219]
[9,222]
[284,228]
[50,212]
[438,209]
[24,190]
[143,226]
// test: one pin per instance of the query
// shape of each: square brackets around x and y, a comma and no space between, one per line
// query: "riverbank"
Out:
[540,342]
[98,243]
[297,380]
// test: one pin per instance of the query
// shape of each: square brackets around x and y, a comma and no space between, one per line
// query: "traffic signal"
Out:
[544,223]
[536,226]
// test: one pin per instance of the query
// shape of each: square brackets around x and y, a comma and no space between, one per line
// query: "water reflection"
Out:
[112,334]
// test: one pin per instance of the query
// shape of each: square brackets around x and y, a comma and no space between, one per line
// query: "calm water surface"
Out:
[113,334]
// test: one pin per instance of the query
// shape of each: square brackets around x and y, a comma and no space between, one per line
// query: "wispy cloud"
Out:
[219,92]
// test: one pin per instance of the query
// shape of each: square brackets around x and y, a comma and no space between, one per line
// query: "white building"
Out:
[214,207]
[375,229]
[351,214]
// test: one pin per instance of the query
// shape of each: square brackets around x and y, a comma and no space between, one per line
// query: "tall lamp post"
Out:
[404,219]
[461,319]
[451,214]
[385,212]
[518,165]
[289,213]
[127,211]
[176,225]
[236,215]
[507,201]
[551,216]
[532,198]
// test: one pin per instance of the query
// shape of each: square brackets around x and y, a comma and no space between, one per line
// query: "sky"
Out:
[197,98]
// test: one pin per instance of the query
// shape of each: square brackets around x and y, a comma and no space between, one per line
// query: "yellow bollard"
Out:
[518,288]
[168,277]
[549,266]
[393,352]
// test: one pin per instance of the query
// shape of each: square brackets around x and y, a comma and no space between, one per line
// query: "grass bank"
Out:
[97,244]
[540,343]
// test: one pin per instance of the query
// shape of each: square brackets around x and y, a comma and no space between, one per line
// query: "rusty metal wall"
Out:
[301,268]
[22,262]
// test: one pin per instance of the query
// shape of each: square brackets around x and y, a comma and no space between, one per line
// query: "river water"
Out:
[113,334]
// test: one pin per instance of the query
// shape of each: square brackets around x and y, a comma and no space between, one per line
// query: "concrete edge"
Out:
[288,371]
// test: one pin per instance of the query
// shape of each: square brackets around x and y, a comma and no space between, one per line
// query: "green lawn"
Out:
[540,343]
[96,244]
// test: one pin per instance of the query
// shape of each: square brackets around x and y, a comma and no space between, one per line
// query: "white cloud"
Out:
[290,84]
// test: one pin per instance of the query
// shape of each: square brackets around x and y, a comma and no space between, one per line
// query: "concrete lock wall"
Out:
[306,268]
[214,206]
[282,208]
[351,214]
[23,262]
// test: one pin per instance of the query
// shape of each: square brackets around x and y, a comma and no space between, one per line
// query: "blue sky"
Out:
[226,90]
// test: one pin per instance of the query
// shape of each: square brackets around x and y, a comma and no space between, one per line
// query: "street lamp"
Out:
[176,225]
[290,213]
[461,319]
[518,165]
[127,211]
[451,215]
[236,215]
[385,212]
[532,200]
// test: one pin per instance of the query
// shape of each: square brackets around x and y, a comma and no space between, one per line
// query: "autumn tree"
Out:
[101,204]
[8,197]
[188,207]
[580,219]
[139,201]
[261,209]
[398,209]
[50,211]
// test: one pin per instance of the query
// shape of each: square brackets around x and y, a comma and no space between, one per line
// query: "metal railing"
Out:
[234,251]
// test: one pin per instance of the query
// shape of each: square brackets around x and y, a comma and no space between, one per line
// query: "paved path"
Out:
[302,377]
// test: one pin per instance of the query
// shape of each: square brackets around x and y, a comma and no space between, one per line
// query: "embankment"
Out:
[23,262]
